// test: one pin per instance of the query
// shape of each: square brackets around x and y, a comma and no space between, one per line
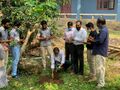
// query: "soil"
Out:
[48,79]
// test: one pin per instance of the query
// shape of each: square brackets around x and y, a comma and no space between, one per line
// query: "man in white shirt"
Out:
[80,36]
[58,60]
[68,35]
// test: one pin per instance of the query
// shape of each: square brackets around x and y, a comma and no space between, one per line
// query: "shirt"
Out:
[79,36]
[92,34]
[68,35]
[59,58]
[4,33]
[101,42]
[15,35]
[45,33]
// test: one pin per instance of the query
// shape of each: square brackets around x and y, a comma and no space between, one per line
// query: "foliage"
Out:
[31,11]
[50,86]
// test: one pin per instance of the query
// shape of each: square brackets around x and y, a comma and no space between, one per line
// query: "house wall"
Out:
[90,6]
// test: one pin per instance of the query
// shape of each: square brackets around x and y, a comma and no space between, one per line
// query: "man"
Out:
[3,75]
[45,35]
[91,61]
[68,35]
[80,36]
[5,24]
[15,47]
[100,51]
[58,60]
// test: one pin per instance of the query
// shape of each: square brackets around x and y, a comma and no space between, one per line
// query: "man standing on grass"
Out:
[45,35]
[5,24]
[100,50]
[15,46]
[79,38]
[69,43]
[3,75]
[90,59]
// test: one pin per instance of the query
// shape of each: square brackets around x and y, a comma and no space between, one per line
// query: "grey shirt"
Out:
[15,35]
[4,33]
[45,33]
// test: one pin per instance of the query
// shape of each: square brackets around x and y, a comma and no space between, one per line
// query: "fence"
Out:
[93,15]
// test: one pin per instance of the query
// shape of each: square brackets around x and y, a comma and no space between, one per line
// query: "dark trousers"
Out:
[69,53]
[65,66]
[78,63]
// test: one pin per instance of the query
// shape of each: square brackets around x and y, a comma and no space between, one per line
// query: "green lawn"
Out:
[71,82]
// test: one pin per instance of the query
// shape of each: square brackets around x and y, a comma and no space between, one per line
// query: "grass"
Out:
[114,34]
[71,82]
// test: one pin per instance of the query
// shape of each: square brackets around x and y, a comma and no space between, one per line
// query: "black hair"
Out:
[56,48]
[43,22]
[70,23]
[79,22]
[101,20]
[4,21]
[90,25]
[17,23]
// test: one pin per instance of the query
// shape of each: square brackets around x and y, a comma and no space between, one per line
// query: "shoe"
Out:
[99,86]
[16,77]
[91,79]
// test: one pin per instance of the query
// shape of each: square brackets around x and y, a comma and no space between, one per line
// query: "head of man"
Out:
[17,23]
[90,26]
[56,51]
[70,24]
[78,25]
[44,24]
[101,22]
[5,23]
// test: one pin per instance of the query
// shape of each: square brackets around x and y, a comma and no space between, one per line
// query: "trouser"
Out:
[16,58]
[78,59]
[69,52]
[100,69]
[43,51]
[6,59]
[3,76]
[65,66]
[91,62]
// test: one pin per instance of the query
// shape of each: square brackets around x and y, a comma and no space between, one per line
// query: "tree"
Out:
[30,11]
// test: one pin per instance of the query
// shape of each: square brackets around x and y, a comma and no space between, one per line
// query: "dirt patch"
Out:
[48,79]
[115,41]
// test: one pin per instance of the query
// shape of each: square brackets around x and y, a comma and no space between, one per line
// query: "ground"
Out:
[31,78]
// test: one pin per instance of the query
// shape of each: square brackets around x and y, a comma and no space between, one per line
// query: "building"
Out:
[110,9]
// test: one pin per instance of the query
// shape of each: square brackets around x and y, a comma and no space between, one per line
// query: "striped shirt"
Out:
[68,35]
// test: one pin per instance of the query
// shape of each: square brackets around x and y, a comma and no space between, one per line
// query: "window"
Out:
[105,4]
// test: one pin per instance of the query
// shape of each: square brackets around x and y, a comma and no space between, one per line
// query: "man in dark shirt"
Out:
[100,49]
[91,61]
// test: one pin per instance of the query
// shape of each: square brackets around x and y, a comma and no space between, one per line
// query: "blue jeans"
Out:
[16,58]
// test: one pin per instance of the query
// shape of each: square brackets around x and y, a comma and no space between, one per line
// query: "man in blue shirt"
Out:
[100,50]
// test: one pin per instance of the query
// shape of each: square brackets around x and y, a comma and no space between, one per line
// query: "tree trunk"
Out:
[29,33]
